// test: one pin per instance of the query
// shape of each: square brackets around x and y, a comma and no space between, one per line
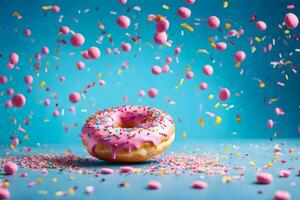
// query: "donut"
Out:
[130,133]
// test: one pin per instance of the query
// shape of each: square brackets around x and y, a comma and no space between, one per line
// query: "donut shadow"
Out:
[102,163]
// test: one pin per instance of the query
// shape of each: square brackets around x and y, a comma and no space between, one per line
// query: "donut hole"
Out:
[130,120]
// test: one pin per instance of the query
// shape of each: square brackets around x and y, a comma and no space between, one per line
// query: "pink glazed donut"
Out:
[128,133]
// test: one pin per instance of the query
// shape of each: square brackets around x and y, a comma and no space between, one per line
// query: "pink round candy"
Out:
[106,171]
[55,113]
[94,52]
[165,68]
[199,185]
[184,12]
[47,102]
[10,91]
[152,92]
[77,40]
[232,33]
[18,100]
[16,142]
[55,8]
[102,82]
[74,97]
[10,168]
[203,86]
[160,38]
[221,46]
[4,193]
[261,25]
[291,20]
[45,50]
[64,30]
[3,79]
[8,103]
[264,178]
[142,93]
[80,65]
[270,123]
[169,60]
[28,79]
[27,32]
[10,66]
[62,79]
[239,56]
[284,173]
[127,169]
[177,51]
[282,195]
[213,22]
[38,56]
[122,1]
[154,185]
[189,75]
[13,58]
[162,25]
[85,55]
[208,70]
[123,21]
[224,94]
[156,70]
[126,46]
[190,1]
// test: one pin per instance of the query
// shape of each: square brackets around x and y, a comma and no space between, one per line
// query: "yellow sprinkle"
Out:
[187,68]
[286,32]
[120,71]
[210,39]
[218,120]
[46,7]
[39,180]
[257,39]
[227,149]
[187,27]
[213,45]
[202,51]
[269,164]
[11,146]
[184,135]
[71,191]
[201,122]
[252,164]
[217,105]
[225,4]
[138,170]
[181,81]
[286,77]
[237,65]
[42,84]
[226,179]
[262,85]
[5,184]
[99,75]
[166,7]
[26,137]
[17,15]
[59,193]
[211,96]
[168,44]
[227,26]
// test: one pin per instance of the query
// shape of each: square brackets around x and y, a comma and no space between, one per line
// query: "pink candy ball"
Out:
[10,66]
[189,75]
[80,65]
[239,56]
[47,102]
[264,178]
[208,70]
[8,103]
[152,92]
[45,50]
[169,60]
[94,52]
[126,46]
[213,22]
[261,25]
[142,93]
[199,185]
[64,30]
[107,171]
[74,97]
[27,32]
[282,195]
[10,91]
[284,173]
[221,46]
[10,168]
[177,51]
[77,40]
[55,8]
[102,82]
[123,21]
[160,38]
[55,113]
[190,1]
[162,25]
[85,55]
[203,86]
[156,70]
[224,94]
[3,79]
[184,12]
[13,58]
[165,68]
[28,79]
[38,56]
[154,185]
[291,20]
[18,100]
[270,123]
[122,1]
[62,79]
[4,193]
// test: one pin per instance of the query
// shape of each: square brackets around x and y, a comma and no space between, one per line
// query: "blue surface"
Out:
[173,187]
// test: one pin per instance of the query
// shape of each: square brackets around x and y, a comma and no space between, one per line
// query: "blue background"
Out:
[250,105]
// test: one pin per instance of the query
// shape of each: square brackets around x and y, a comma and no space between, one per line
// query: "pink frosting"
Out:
[126,128]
